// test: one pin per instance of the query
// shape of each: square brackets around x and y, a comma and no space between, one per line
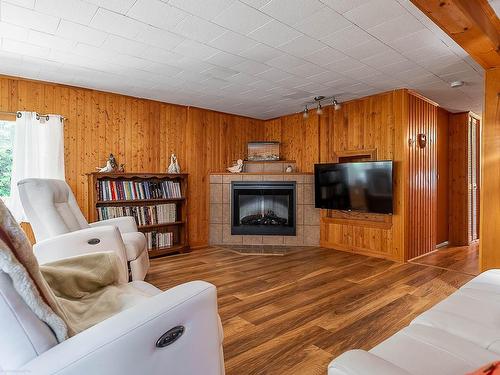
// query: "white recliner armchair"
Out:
[61,229]
[128,343]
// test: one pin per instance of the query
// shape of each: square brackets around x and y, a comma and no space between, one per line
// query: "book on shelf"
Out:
[111,190]
[159,239]
[143,215]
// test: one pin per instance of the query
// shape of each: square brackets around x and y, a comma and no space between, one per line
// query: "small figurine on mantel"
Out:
[289,169]
[236,168]
[174,165]
[121,169]
[111,165]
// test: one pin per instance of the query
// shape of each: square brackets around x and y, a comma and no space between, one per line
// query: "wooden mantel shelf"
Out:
[262,173]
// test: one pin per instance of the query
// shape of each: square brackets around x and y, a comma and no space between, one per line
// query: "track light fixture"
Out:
[305,112]
[317,101]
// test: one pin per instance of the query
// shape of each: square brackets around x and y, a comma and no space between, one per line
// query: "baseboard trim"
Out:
[442,244]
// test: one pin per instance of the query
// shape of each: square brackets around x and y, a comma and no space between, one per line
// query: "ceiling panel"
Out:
[261,58]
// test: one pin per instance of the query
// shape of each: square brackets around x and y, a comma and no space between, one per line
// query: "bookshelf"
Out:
[157,201]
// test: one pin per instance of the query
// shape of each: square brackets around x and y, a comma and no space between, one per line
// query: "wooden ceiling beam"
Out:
[473,24]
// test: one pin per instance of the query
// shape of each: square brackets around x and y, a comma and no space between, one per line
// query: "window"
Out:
[6,146]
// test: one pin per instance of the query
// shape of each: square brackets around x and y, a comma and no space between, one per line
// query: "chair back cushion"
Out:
[51,207]
[24,336]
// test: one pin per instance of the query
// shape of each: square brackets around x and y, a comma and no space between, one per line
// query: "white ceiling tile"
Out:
[73,10]
[28,18]
[50,41]
[80,33]
[374,13]
[251,67]
[192,64]
[116,23]
[220,72]
[325,56]
[302,46]
[232,42]
[260,52]
[204,9]
[495,4]
[273,75]
[383,59]
[196,50]
[242,79]
[157,37]
[157,13]
[124,45]
[347,38]
[120,6]
[360,73]
[394,28]
[307,70]
[343,6]
[285,62]
[415,40]
[291,11]
[241,18]
[161,55]
[344,65]
[197,28]
[256,3]
[10,31]
[367,49]
[224,59]
[24,48]
[274,34]
[322,23]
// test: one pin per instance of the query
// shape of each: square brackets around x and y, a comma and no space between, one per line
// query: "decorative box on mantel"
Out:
[266,201]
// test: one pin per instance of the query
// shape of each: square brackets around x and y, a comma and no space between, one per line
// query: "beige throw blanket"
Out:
[69,295]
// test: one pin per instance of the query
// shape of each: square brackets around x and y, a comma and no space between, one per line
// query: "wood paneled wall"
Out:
[458,179]
[141,133]
[490,174]
[442,145]
[422,182]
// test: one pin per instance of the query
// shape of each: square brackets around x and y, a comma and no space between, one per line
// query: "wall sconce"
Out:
[422,140]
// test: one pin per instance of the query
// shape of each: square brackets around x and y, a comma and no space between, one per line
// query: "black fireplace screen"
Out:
[263,208]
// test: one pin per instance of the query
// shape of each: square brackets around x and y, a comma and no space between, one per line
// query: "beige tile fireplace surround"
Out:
[307,217]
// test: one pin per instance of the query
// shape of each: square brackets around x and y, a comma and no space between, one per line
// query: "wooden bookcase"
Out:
[178,228]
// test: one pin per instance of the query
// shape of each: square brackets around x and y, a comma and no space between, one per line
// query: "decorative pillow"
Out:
[490,369]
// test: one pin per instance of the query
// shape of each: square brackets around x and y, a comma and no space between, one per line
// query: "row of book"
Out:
[112,190]
[144,215]
[159,239]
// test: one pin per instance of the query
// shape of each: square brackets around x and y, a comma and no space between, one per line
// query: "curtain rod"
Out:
[19,112]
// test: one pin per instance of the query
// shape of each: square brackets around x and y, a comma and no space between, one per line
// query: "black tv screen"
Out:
[356,186]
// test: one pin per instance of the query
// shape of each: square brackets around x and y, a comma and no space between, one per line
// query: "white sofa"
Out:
[456,336]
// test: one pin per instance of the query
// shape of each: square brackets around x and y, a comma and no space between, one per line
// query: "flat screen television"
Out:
[355,186]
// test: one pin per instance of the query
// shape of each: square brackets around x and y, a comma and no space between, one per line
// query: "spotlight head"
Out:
[319,111]
[305,112]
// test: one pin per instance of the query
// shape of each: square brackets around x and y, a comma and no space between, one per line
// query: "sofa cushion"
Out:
[424,350]
[467,316]
[135,244]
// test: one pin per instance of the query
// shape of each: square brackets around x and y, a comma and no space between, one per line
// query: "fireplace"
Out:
[263,208]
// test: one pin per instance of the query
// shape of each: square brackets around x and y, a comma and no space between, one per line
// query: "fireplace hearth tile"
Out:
[300,193]
[296,240]
[215,234]
[216,179]
[273,177]
[311,214]
[299,219]
[231,177]
[226,193]
[216,213]
[273,240]
[308,194]
[252,240]
[228,238]
[298,178]
[226,213]
[251,177]
[215,193]
[311,235]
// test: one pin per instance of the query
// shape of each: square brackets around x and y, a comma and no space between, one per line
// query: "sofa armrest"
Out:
[126,342]
[125,224]
[360,362]
[77,243]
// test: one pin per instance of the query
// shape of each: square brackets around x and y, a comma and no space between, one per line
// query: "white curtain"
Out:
[38,153]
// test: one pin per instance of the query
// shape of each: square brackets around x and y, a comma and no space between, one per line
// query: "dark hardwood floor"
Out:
[293,314]
[459,258]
